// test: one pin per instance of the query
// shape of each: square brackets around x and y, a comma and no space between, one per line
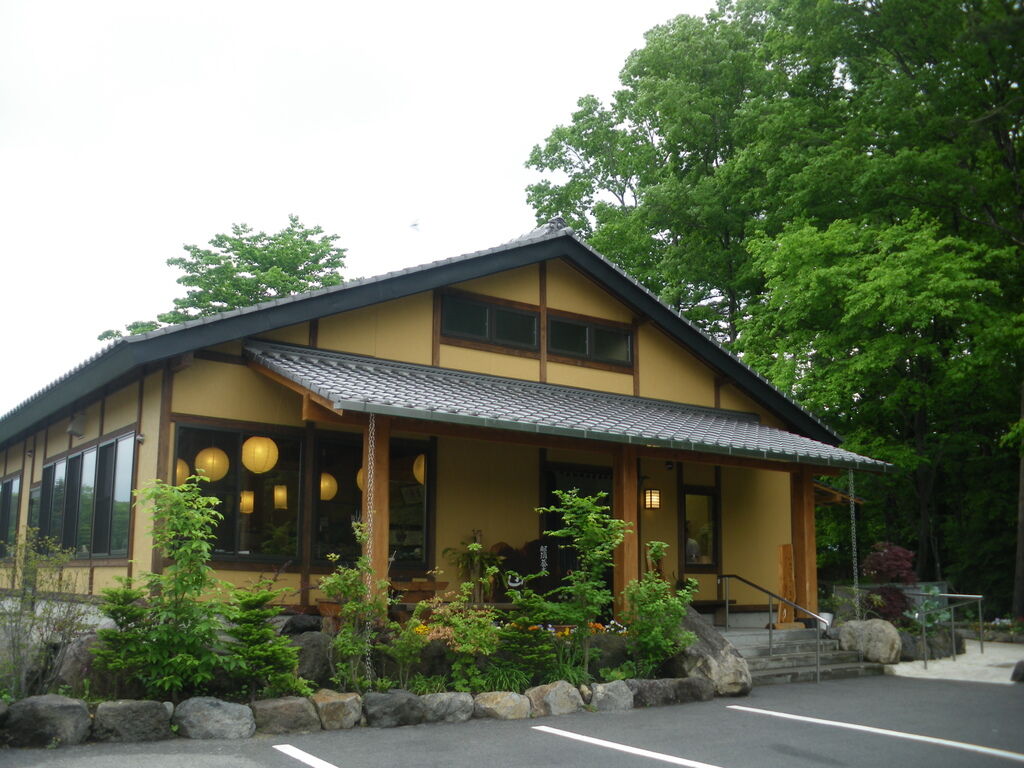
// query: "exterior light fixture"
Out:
[652,498]
[248,502]
[328,486]
[280,497]
[259,454]
[419,468]
[181,472]
[213,463]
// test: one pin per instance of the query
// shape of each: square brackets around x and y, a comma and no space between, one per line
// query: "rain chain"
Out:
[853,545]
[371,454]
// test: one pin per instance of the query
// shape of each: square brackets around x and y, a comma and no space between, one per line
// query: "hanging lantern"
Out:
[181,472]
[280,497]
[419,468]
[361,479]
[248,502]
[259,454]
[213,463]
[652,498]
[328,486]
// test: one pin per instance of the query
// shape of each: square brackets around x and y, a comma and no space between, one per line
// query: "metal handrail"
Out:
[771,595]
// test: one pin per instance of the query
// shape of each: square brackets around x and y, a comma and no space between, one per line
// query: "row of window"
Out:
[10,496]
[84,502]
[476,320]
[258,478]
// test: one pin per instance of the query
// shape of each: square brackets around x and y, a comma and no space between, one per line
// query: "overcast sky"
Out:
[130,128]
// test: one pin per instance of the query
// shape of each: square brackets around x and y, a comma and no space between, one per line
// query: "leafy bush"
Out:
[468,632]
[888,562]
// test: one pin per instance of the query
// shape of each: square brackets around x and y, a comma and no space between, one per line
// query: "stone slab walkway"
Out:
[992,666]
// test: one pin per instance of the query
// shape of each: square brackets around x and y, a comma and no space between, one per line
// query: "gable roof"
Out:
[370,385]
[128,355]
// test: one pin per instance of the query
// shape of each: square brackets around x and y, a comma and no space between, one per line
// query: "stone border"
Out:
[53,720]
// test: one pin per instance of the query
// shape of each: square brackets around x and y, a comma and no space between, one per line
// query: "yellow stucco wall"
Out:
[755,521]
[90,425]
[292,334]
[56,439]
[146,470]
[521,284]
[733,399]
[120,408]
[492,363]
[229,391]
[590,378]
[488,486]
[105,577]
[570,291]
[669,372]
[394,330]
[288,581]
[660,524]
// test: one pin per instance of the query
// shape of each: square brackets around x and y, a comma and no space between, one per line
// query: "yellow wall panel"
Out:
[698,474]
[90,425]
[569,291]
[289,581]
[146,470]
[394,330]
[105,577]
[229,391]
[37,443]
[660,524]
[57,438]
[492,363]
[669,372]
[590,378]
[755,521]
[489,486]
[733,399]
[521,284]
[592,458]
[292,334]
[121,408]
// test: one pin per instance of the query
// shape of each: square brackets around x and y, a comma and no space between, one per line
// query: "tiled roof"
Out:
[386,387]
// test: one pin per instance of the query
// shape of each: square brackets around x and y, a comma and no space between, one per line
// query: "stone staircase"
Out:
[792,659]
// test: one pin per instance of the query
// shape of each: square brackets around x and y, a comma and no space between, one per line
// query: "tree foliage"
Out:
[246,267]
[834,188]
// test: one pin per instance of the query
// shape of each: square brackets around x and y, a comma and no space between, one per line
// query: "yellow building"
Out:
[432,403]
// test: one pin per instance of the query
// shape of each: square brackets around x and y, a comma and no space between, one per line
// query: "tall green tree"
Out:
[246,267]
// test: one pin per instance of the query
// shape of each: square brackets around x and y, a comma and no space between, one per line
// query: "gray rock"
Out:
[289,714]
[131,720]
[711,657]
[501,705]
[394,708]
[49,720]
[607,651]
[558,698]
[694,689]
[611,697]
[3,711]
[204,717]
[300,623]
[447,707]
[876,639]
[314,657]
[337,711]
[586,693]
[670,690]
[1017,675]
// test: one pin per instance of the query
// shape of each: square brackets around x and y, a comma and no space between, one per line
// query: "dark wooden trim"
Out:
[313,327]
[483,298]
[163,451]
[310,495]
[636,357]
[582,362]
[259,427]
[100,562]
[542,288]
[625,487]
[224,562]
[435,336]
[590,319]
[218,357]
[83,447]
[486,346]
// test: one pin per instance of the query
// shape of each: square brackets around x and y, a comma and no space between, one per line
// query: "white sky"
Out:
[130,128]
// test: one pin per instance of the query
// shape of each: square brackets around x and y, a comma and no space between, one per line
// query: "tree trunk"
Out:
[1018,573]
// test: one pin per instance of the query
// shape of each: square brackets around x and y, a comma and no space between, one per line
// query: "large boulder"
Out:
[607,651]
[611,697]
[289,714]
[300,623]
[314,657]
[394,708]
[710,657]
[204,717]
[558,698]
[131,720]
[876,639]
[667,690]
[447,707]
[47,721]
[337,711]
[501,705]
[1017,673]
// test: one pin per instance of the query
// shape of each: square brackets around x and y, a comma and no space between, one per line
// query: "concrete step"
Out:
[795,660]
[806,646]
[805,674]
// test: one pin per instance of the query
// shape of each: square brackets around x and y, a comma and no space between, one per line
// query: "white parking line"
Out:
[1015,756]
[624,748]
[303,757]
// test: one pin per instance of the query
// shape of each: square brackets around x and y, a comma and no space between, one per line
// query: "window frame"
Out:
[10,507]
[489,339]
[591,326]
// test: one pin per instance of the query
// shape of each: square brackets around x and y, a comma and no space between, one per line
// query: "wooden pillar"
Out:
[625,506]
[379,518]
[805,553]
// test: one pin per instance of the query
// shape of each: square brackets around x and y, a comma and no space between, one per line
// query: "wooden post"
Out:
[379,518]
[805,554]
[625,506]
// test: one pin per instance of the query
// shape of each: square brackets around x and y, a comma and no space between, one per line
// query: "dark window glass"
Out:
[69,534]
[86,497]
[515,328]
[35,497]
[700,528]
[56,522]
[120,513]
[10,497]
[567,338]
[338,498]
[465,318]
[104,499]
[611,345]
[260,508]
[408,496]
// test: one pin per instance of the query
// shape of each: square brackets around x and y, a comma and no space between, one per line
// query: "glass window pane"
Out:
[338,498]
[86,495]
[516,328]
[69,535]
[464,318]
[12,523]
[104,500]
[567,338]
[611,345]
[35,497]
[56,516]
[122,506]
[408,496]
[700,533]
[5,517]
[268,523]
[219,452]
